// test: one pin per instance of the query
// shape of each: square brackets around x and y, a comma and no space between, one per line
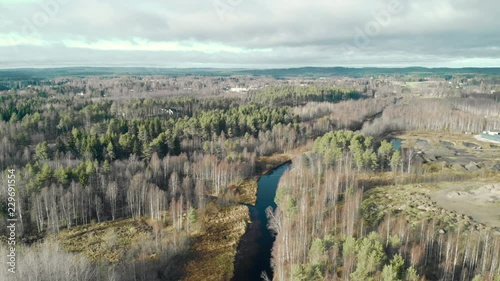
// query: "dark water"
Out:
[254,250]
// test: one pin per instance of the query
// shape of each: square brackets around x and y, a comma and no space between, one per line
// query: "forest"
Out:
[327,230]
[127,176]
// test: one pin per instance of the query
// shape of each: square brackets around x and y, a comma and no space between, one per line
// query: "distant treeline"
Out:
[32,73]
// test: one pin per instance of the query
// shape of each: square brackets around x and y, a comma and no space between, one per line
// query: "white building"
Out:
[239,90]
[167,111]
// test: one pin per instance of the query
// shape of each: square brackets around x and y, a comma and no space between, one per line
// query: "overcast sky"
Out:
[249,33]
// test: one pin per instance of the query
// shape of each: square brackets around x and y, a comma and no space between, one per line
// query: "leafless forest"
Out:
[167,154]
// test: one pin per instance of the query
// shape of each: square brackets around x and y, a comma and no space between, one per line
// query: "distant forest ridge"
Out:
[312,72]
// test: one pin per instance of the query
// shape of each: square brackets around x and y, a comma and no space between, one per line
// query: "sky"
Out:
[249,33]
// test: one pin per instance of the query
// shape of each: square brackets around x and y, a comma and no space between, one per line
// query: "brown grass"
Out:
[246,191]
[214,249]
[107,241]
[266,164]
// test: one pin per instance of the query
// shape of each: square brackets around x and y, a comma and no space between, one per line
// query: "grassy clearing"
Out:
[108,240]
[214,248]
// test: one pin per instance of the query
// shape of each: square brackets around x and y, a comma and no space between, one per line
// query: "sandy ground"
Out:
[479,201]
[462,153]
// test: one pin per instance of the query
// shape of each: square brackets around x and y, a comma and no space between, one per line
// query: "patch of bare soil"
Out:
[479,201]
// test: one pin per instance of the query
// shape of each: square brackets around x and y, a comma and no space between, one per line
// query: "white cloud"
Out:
[14,39]
[255,32]
[138,44]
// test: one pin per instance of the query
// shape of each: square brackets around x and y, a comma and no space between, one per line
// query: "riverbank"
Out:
[254,250]
[246,191]
[214,249]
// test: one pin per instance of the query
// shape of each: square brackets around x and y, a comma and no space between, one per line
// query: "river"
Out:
[254,249]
